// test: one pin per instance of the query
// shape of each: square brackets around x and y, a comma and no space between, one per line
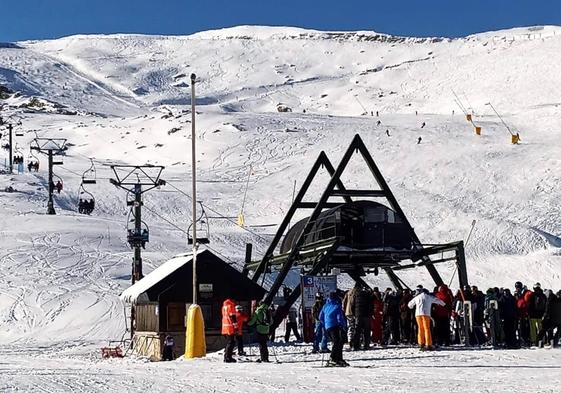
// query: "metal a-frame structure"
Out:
[317,257]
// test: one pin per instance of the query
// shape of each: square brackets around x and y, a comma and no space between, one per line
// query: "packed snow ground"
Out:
[60,276]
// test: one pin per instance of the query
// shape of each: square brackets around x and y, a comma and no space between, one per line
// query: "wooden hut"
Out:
[161,298]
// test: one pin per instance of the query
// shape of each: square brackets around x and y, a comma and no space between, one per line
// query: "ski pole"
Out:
[465,244]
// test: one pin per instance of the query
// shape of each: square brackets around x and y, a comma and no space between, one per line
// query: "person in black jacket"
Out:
[392,315]
[509,316]
[478,315]
[364,309]
[551,319]
[536,311]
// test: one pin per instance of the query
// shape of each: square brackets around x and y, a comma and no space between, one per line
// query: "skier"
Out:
[229,328]
[392,316]
[378,317]
[419,140]
[332,317]
[423,125]
[363,313]
[378,123]
[29,166]
[260,319]
[58,186]
[508,314]
[478,315]
[271,311]
[492,316]
[168,348]
[241,317]
[377,114]
[536,310]
[522,295]
[349,307]
[388,132]
[292,325]
[442,316]
[551,319]
[81,206]
[406,317]
[422,303]
[320,335]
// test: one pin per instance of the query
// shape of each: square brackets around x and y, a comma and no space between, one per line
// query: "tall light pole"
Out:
[194,179]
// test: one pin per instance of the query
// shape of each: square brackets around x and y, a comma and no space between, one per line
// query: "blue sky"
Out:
[36,19]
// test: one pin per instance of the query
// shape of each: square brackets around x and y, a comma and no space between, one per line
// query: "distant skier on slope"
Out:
[388,132]
[419,140]
[423,125]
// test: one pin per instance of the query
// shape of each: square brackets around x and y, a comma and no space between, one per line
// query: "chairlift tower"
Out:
[137,179]
[50,147]
[10,127]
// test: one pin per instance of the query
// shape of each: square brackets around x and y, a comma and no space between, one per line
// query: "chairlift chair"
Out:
[89,175]
[203,228]
[86,200]
[138,238]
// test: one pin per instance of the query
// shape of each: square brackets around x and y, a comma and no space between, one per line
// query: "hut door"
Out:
[175,317]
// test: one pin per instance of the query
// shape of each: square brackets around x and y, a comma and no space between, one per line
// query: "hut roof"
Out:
[174,278]
[132,293]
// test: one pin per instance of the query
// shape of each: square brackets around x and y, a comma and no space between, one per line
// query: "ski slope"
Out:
[61,275]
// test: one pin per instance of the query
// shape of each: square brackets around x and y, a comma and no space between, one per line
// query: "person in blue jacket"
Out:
[335,323]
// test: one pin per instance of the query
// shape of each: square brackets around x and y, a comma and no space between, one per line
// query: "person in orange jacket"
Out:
[241,318]
[229,329]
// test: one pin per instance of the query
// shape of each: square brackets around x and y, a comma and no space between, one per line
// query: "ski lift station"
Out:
[162,297]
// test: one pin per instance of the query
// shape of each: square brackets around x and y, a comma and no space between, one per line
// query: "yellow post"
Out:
[195,341]
[478,130]
[241,220]
[468,117]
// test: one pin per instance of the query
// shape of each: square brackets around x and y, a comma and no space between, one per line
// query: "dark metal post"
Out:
[11,158]
[137,264]
[248,252]
[461,263]
[50,204]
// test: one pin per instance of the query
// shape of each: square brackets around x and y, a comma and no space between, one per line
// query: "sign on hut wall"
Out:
[310,286]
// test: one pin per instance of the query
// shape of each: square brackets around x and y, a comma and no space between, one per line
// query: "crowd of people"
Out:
[497,317]
[363,317]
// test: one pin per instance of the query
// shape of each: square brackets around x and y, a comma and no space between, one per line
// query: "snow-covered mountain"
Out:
[124,98]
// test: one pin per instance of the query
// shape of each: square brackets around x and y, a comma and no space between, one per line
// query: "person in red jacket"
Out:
[442,315]
[377,318]
[229,329]
[522,295]
[241,318]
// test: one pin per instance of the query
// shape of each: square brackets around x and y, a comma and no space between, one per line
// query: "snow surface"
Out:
[61,276]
